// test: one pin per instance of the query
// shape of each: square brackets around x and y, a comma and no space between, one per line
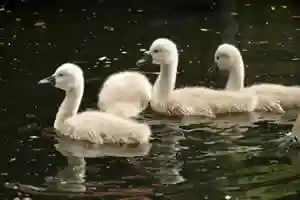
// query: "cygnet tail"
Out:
[125,109]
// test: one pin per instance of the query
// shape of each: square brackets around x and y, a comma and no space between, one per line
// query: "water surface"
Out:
[236,158]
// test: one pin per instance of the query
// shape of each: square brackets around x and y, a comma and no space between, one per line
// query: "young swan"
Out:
[125,94]
[93,126]
[272,97]
[189,100]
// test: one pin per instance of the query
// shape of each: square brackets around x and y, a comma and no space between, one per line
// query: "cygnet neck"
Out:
[70,105]
[236,75]
[166,80]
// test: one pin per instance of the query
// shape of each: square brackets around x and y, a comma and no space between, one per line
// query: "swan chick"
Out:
[272,97]
[93,126]
[125,94]
[188,100]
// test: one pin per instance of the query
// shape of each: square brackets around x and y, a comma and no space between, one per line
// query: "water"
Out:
[235,158]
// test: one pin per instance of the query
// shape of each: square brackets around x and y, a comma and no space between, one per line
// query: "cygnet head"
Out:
[66,77]
[162,52]
[227,57]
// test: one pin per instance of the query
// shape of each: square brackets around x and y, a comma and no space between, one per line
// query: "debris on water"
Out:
[108,28]
[40,24]
[102,58]
[204,29]
[227,197]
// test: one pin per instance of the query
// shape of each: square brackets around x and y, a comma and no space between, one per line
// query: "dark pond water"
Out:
[235,158]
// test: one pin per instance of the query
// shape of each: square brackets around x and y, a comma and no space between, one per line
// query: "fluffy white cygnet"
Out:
[271,97]
[188,100]
[125,94]
[93,126]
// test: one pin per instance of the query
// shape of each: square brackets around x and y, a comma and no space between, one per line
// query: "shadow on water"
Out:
[232,157]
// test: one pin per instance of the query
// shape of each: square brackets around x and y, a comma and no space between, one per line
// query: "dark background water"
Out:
[213,161]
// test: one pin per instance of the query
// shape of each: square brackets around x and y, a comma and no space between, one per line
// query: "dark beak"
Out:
[147,58]
[49,80]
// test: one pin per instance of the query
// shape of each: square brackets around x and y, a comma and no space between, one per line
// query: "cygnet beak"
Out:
[49,80]
[147,58]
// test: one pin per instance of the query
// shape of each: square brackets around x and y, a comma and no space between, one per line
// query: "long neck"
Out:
[236,76]
[69,106]
[166,80]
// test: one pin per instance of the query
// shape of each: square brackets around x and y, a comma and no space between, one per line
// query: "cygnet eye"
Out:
[155,51]
[60,74]
[217,57]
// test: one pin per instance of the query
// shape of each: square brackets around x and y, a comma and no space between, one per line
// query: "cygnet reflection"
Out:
[163,163]
[72,177]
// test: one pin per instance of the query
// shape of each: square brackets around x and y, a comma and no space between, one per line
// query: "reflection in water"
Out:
[165,164]
[72,177]
[69,179]
[83,149]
